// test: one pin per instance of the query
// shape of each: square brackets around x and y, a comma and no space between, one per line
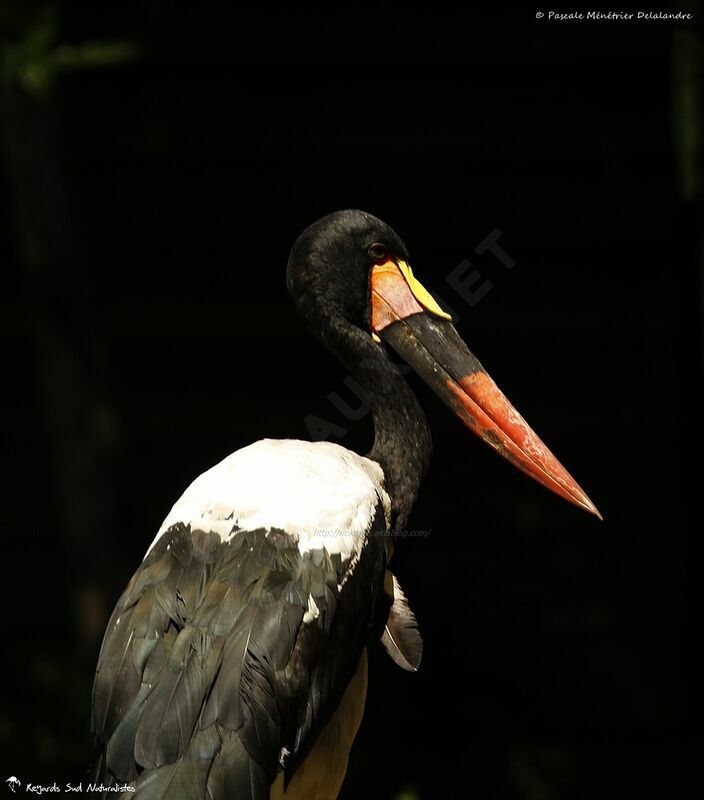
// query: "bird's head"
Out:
[330,262]
[350,268]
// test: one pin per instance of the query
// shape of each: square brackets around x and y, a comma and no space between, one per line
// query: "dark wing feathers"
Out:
[227,683]
[162,656]
[119,753]
[183,778]
[207,671]
[170,710]
[234,774]
[111,699]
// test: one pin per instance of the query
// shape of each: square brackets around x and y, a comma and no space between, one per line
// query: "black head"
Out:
[329,267]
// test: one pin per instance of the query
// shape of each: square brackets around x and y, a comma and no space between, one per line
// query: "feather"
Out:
[182,779]
[401,637]
[214,665]
[170,712]
[223,704]
[148,617]
[235,774]
[220,607]
[119,753]
[110,698]
[159,656]
[154,570]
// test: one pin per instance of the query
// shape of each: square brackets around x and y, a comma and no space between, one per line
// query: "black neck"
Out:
[402,443]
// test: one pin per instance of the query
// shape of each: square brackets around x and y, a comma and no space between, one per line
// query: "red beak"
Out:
[433,348]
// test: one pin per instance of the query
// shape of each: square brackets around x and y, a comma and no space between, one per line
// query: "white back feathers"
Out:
[323,494]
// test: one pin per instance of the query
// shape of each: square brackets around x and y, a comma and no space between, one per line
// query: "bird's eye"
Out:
[378,252]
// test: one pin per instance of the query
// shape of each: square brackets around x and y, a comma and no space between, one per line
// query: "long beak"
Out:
[405,315]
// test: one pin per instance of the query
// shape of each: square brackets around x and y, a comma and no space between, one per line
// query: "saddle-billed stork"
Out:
[234,664]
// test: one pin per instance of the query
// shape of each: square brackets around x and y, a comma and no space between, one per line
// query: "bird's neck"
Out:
[402,443]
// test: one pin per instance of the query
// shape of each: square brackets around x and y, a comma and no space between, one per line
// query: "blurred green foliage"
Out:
[32,57]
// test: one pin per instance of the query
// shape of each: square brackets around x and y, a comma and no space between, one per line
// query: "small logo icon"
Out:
[13,783]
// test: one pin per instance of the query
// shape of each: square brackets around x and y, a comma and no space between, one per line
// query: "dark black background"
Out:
[147,213]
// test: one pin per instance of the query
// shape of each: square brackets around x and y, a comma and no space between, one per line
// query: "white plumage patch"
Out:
[323,494]
[313,611]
